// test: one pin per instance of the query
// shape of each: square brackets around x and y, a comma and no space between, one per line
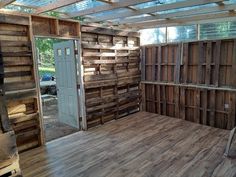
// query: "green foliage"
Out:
[46,70]
[45,50]
[53,13]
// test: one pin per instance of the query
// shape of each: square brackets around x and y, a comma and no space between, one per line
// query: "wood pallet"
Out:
[193,81]
[19,80]
[111,73]
[9,159]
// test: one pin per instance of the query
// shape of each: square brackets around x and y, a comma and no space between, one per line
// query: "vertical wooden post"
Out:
[143,89]
[159,61]
[153,108]
[233,70]
[36,79]
[143,64]
[182,103]
[212,108]
[177,102]
[231,114]
[217,62]
[159,99]
[208,63]
[164,99]
[200,61]
[197,106]
[154,54]
[177,65]
[204,105]
[185,61]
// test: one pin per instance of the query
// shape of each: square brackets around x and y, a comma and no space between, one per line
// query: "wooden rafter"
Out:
[4,3]
[203,18]
[115,5]
[203,10]
[56,5]
[164,7]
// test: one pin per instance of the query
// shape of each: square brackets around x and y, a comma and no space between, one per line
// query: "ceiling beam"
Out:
[203,10]
[183,21]
[56,5]
[115,5]
[164,7]
[4,3]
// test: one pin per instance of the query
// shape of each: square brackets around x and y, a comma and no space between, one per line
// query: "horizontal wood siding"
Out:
[193,81]
[111,73]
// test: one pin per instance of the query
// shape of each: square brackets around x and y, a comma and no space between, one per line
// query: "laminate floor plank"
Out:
[140,145]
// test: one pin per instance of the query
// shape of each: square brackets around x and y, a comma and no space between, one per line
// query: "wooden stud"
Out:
[185,61]
[208,63]
[233,70]
[217,62]
[177,65]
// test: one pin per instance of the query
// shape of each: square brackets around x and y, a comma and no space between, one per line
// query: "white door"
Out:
[66,80]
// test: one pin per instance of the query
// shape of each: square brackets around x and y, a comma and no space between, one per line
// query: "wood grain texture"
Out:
[140,145]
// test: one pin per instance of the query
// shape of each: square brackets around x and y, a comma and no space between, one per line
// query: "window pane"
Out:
[181,33]
[152,36]
[59,53]
[68,51]
[218,30]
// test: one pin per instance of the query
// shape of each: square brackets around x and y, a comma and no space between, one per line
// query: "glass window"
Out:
[152,36]
[181,33]
[68,51]
[59,53]
[218,30]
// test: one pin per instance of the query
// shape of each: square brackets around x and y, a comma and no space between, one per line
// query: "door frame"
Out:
[79,81]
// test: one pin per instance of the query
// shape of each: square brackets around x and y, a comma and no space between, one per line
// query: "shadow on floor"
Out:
[52,127]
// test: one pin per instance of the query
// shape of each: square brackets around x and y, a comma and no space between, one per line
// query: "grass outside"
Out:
[46,70]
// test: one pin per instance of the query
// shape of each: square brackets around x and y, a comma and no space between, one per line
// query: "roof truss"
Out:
[4,3]
[56,5]
[152,18]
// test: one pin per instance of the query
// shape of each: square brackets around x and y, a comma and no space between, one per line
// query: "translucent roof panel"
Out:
[83,5]
[115,11]
[155,3]
[36,3]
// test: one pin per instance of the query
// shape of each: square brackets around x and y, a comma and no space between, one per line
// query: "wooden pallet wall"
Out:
[19,80]
[193,81]
[111,73]
[53,27]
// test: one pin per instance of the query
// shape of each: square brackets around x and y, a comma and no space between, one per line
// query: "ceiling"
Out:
[133,14]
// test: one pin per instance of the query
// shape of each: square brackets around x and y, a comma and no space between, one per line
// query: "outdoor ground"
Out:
[53,128]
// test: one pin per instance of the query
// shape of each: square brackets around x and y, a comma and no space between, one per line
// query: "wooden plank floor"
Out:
[142,144]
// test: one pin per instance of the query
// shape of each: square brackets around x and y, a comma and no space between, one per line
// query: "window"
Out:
[153,36]
[59,53]
[181,33]
[218,30]
[67,51]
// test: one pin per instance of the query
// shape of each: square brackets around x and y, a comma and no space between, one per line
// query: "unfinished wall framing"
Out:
[193,81]
[111,73]
[20,87]
[16,33]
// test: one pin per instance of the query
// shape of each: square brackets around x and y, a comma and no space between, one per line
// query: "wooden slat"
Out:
[185,61]
[12,19]
[208,63]
[201,61]
[177,66]
[217,62]
[233,70]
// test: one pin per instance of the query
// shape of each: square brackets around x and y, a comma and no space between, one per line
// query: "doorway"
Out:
[58,86]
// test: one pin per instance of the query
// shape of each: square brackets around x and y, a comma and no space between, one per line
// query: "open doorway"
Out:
[58,86]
